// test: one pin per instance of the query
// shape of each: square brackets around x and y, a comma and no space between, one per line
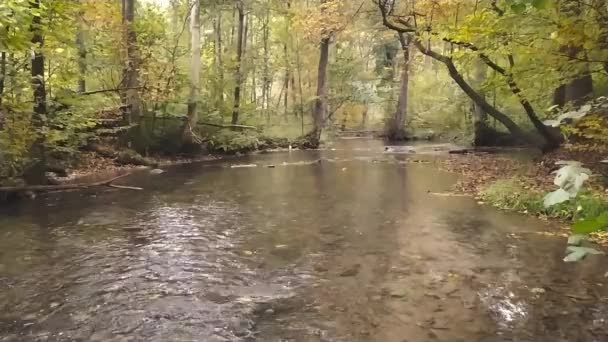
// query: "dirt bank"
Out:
[478,171]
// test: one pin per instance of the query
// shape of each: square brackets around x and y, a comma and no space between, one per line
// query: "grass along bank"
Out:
[520,183]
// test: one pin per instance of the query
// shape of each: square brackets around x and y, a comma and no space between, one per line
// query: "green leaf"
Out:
[540,4]
[591,225]
[571,176]
[518,7]
[575,253]
[556,197]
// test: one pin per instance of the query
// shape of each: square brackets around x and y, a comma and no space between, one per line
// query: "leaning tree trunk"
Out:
[195,72]
[239,56]
[321,101]
[396,129]
[479,100]
[131,70]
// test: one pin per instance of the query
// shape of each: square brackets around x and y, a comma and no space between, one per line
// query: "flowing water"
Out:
[349,244]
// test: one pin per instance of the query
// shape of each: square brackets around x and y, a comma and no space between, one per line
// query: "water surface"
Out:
[349,244]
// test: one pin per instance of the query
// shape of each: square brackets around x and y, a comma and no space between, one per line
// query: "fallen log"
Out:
[63,187]
[227,126]
[125,187]
[484,149]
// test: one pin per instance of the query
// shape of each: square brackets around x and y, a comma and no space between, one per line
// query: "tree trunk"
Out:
[293,94]
[266,77]
[131,70]
[195,72]
[364,116]
[287,62]
[234,21]
[219,63]
[35,174]
[579,89]
[286,86]
[479,100]
[38,83]
[321,101]
[396,129]
[82,57]
[239,57]
[299,70]
[2,74]
[482,133]
[254,95]
[244,58]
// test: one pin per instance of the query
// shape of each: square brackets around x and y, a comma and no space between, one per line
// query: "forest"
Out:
[167,77]
[303,170]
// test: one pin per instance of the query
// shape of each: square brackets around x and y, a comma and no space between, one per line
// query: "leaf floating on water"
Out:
[575,253]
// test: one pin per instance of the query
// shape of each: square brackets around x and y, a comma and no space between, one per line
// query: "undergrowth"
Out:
[514,195]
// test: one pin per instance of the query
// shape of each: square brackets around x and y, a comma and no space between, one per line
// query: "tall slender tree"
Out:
[82,53]
[36,172]
[195,71]
[219,60]
[321,100]
[239,57]
[130,82]
[396,130]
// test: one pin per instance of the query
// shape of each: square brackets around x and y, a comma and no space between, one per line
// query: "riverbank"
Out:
[518,182]
[104,160]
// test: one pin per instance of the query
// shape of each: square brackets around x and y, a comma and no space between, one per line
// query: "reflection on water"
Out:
[342,245]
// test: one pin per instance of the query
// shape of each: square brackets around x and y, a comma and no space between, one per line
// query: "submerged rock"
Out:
[351,272]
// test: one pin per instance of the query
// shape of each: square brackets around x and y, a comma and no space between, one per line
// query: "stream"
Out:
[345,244]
